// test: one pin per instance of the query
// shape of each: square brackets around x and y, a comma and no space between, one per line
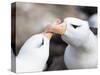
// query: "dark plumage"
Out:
[57,48]
[57,45]
[88,10]
[94,30]
[57,63]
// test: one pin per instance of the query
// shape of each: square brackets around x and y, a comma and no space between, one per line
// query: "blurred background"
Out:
[31,18]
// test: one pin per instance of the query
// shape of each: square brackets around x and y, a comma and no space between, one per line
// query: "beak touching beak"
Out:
[57,28]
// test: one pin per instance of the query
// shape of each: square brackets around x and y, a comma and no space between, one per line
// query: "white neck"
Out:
[89,46]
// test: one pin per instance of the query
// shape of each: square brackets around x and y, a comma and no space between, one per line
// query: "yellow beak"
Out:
[58,28]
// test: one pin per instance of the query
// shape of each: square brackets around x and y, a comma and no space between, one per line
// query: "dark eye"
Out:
[75,26]
[42,42]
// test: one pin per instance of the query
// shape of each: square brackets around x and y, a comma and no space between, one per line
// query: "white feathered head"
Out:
[77,31]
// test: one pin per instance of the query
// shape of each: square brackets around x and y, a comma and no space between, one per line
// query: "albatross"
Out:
[34,53]
[81,51]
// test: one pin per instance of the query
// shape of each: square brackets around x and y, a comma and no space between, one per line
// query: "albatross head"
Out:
[77,31]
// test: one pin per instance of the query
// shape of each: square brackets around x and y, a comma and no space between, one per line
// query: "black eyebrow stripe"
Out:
[75,26]
[42,42]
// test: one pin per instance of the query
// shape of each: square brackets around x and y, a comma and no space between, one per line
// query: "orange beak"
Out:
[57,28]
